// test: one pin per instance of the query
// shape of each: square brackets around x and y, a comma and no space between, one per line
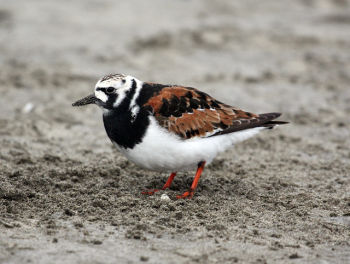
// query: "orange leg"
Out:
[190,192]
[166,185]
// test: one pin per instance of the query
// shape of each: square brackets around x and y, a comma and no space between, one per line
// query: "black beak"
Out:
[90,99]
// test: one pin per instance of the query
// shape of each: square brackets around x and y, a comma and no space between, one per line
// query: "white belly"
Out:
[162,151]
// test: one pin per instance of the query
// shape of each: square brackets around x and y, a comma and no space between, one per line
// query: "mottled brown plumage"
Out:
[188,113]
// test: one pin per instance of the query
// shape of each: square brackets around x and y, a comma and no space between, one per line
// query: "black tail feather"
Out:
[271,124]
[263,120]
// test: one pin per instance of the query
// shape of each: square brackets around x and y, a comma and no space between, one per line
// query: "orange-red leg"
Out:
[190,192]
[166,185]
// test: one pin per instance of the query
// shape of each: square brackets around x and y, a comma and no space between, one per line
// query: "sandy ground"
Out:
[67,196]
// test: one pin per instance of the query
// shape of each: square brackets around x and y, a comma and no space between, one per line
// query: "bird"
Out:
[171,128]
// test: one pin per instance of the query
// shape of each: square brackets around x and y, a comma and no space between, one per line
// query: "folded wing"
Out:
[188,113]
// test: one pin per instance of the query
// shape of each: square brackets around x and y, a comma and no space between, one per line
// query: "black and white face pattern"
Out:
[124,119]
[118,91]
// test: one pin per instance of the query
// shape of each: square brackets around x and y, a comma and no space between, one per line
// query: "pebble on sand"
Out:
[27,108]
[164,197]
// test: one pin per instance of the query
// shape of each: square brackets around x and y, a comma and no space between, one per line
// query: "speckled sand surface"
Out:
[67,196]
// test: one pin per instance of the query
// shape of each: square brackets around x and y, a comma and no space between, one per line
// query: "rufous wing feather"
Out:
[188,112]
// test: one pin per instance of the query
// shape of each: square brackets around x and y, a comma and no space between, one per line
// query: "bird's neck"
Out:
[123,129]
[126,125]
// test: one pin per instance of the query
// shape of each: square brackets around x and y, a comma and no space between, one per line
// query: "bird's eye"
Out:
[110,90]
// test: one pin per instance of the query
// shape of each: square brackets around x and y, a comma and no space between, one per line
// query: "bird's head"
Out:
[110,91]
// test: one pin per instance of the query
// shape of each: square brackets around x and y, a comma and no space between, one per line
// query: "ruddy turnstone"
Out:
[170,127]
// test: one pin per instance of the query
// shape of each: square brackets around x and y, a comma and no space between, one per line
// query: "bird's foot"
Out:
[186,195]
[166,185]
[151,192]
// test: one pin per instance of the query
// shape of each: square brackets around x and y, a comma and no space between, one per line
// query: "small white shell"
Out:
[164,197]
[28,107]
